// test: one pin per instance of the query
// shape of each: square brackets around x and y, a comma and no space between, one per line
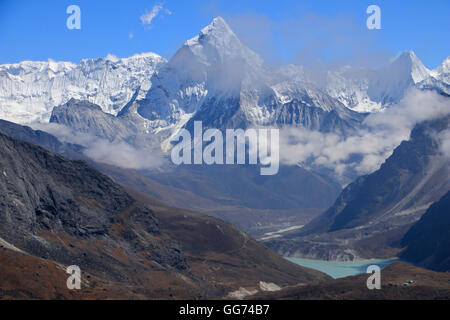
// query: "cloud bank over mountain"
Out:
[367,149]
[118,153]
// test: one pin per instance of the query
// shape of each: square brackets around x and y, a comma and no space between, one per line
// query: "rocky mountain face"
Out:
[415,174]
[376,210]
[85,117]
[44,196]
[56,212]
[428,241]
[29,90]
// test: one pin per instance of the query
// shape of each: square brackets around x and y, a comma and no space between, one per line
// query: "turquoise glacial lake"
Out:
[341,269]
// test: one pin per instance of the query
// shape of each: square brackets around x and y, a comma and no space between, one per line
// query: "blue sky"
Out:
[282,31]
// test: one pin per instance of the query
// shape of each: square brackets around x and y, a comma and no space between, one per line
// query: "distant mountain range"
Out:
[29,90]
[213,77]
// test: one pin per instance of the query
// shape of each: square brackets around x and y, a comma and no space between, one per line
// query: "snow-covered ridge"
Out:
[212,74]
[366,90]
[30,89]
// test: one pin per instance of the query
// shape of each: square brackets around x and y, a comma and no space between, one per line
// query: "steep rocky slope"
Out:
[67,212]
[428,241]
[373,213]
[55,212]
[415,175]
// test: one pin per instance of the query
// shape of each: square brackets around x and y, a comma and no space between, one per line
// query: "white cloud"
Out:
[445,143]
[112,58]
[120,154]
[148,17]
[364,151]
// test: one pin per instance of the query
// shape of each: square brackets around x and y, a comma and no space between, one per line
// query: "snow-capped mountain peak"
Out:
[366,90]
[408,64]
[217,38]
[444,67]
[216,79]
[388,85]
[216,44]
[218,31]
[213,63]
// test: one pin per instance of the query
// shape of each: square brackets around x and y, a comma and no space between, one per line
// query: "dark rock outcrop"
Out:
[57,209]
[428,241]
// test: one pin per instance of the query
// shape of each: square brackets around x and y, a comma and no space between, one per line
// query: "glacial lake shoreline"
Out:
[342,269]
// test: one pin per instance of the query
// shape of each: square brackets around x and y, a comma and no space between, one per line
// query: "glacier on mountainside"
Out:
[29,90]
